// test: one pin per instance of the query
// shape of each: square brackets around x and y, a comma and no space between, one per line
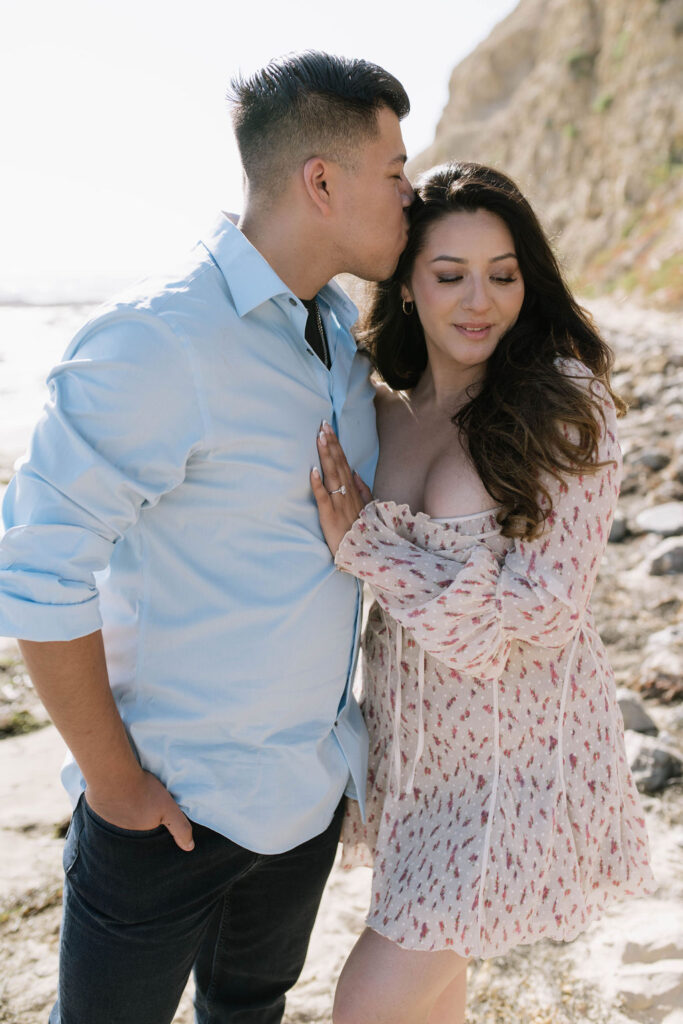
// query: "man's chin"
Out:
[378,274]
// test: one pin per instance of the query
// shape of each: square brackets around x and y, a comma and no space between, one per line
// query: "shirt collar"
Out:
[251,278]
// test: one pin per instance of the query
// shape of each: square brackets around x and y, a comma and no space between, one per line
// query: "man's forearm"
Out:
[71,679]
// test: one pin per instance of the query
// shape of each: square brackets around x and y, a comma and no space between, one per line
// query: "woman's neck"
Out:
[447,387]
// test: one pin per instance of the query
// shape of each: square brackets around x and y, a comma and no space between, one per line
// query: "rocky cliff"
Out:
[580,102]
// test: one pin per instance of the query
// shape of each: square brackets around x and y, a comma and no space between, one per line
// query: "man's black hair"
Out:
[308,104]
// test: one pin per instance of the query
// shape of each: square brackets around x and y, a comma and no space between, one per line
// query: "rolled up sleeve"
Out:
[122,420]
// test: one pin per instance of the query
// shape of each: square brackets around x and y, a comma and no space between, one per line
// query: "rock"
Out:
[653,459]
[650,986]
[619,530]
[634,954]
[631,482]
[661,670]
[665,608]
[663,941]
[610,633]
[666,520]
[652,764]
[596,97]
[644,394]
[667,491]
[634,714]
[669,637]
[667,558]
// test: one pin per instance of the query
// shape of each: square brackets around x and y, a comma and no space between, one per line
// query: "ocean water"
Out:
[32,340]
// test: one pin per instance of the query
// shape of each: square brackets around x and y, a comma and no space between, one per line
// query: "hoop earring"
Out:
[406,304]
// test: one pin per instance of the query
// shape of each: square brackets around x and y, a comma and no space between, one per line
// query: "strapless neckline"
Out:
[463,518]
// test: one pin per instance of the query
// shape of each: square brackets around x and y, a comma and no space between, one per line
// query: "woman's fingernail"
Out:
[322,438]
[316,472]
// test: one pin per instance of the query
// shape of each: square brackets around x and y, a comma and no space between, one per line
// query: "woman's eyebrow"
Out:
[459,259]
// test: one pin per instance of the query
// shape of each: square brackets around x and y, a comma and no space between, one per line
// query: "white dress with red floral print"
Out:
[500,805]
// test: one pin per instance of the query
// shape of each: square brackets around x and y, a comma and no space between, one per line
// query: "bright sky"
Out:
[116,143]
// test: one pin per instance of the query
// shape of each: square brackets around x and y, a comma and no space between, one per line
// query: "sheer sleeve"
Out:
[465,607]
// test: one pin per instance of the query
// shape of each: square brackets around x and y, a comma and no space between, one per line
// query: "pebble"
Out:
[634,714]
[653,459]
[619,530]
[664,943]
[666,519]
[651,762]
[631,482]
[661,669]
[668,491]
[658,985]
[667,637]
[667,558]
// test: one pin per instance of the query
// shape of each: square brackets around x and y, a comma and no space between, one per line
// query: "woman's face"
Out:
[466,286]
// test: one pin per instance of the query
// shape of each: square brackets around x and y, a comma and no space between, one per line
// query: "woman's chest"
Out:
[426,466]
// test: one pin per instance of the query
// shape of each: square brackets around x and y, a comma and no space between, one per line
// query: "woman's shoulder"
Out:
[572,367]
[580,373]
[387,401]
[383,393]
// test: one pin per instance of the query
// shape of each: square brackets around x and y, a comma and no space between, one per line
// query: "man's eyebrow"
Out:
[400,159]
[458,259]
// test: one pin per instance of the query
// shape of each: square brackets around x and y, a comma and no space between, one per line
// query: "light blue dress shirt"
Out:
[166,499]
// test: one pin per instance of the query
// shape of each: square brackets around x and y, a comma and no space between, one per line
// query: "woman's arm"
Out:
[468,615]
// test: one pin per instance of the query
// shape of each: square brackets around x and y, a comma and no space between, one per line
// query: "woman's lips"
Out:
[473,330]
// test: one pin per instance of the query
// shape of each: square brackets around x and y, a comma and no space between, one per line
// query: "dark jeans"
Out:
[139,914]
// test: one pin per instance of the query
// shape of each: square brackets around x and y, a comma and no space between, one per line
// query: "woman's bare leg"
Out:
[381,983]
[450,1006]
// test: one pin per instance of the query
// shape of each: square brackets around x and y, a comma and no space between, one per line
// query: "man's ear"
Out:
[316,174]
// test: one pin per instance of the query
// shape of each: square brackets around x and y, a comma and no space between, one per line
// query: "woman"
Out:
[500,805]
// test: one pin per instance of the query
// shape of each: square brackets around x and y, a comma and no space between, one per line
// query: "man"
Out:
[164,516]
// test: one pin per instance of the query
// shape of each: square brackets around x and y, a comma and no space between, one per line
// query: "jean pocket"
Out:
[116,830]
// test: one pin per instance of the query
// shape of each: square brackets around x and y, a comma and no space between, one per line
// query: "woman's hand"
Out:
[340,494]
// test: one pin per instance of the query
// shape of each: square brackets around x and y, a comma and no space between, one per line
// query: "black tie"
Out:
[315,332]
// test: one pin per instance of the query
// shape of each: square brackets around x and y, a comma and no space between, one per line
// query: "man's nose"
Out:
[408,192]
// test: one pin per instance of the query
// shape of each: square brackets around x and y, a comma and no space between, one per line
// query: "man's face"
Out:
[373,198]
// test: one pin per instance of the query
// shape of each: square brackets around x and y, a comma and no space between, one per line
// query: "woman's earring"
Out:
[408,306]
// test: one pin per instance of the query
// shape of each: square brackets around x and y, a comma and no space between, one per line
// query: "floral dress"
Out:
[500,806]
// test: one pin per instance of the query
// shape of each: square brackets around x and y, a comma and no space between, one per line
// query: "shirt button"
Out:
[292,302]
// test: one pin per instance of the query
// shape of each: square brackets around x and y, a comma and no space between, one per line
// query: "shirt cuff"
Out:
[29,620]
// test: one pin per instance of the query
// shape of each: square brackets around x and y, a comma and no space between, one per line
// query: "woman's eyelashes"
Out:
[498,279]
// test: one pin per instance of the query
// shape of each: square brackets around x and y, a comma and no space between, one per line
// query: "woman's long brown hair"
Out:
[514,426]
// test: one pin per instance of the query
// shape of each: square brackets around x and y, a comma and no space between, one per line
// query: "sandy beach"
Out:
[628,967]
